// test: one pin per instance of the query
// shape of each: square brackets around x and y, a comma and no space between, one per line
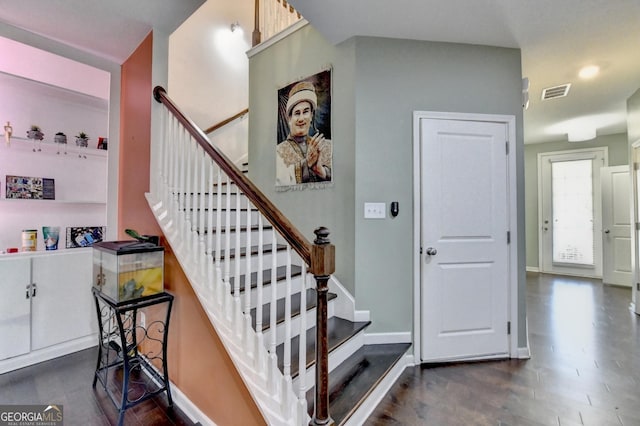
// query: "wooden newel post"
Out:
[323,264]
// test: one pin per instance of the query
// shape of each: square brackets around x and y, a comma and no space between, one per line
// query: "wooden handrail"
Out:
[320,256]
[226,121]
[290,233]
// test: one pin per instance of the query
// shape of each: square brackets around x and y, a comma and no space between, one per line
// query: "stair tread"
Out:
[280,305]
[339,330]
[353,380]
[281,274]
[266,248]
[233,228]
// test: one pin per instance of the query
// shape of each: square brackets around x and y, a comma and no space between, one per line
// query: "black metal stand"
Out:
[132,354]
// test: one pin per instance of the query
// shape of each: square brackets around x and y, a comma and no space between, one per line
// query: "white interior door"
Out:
[464,225]
[616,226]
[570,212]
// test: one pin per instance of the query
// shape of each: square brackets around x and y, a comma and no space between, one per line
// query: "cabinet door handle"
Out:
[33,290]
[26,296]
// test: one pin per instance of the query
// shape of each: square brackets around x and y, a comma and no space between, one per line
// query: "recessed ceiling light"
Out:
[589,71]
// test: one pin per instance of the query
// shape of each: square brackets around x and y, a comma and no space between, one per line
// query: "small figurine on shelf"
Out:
[60,138]
[8,131]
[82,139]
[35,133]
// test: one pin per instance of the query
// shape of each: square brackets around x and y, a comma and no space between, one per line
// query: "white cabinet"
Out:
[15,307]
[63,307]
[46,306]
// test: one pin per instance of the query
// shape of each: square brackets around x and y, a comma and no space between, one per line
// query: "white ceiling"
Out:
[557,38]
[108,28]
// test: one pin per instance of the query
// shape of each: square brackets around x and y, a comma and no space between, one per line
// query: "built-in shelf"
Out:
[38,201]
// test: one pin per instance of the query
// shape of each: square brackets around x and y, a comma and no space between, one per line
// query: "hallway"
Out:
[584,368]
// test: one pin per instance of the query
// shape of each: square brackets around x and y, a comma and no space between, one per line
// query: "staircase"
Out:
[253,274]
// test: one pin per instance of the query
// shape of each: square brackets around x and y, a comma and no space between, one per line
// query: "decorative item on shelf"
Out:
[84,236]
[35,133]
[29,239]
[82,140]
[8,131]
[102,143]
[60,138]
[30,188]
[51,236]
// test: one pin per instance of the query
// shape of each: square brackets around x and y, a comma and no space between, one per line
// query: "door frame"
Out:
[512,202]
[634,166]
[597,210]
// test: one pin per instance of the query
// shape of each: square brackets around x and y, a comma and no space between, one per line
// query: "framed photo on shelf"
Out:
[30,188]
[84,236]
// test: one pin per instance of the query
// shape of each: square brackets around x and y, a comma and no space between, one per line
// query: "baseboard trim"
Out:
[382,338]
[525,352]
[189,408]
[533,269]
[41,355]
[359,316]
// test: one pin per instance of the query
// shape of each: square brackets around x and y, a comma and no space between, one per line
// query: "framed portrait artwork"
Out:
[304,148]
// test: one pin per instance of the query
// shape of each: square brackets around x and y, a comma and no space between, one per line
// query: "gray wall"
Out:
[395,78]
[618,155]
[303,54]
[633,133]
[377,84]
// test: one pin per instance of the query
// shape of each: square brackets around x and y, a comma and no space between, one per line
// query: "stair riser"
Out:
[267,238]
[295,324]
[336,357]
[253,219]
[253,261]
[281,287]
[223,199]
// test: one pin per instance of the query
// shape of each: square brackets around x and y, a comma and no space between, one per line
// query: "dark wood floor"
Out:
[67,381]
[584,368]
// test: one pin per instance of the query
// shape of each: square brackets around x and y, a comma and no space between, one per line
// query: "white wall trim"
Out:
[533,269]
[359,316]
[48,353]
[276,38]
[510,121]
[189,408]
[382,338]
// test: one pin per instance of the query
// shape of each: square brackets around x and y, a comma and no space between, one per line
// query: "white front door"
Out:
[616,226]
[569,211]
[464,226]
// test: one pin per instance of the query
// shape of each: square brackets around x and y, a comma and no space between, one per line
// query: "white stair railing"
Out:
[209,221]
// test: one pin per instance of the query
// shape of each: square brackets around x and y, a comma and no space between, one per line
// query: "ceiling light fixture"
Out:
[583,134]
[589,71]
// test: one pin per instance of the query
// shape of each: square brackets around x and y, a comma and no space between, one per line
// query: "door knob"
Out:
[606,231]
[431,251]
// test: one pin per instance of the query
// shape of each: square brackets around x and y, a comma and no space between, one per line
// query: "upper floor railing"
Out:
[271,17]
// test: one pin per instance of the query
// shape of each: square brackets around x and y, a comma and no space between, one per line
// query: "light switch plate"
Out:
[375,210]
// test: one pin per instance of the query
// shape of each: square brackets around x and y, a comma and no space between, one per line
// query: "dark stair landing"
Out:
[353,380]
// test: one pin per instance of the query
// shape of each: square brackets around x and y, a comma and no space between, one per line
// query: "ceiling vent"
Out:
[556,92]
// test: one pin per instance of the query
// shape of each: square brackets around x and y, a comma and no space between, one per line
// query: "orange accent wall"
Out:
[198,362]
